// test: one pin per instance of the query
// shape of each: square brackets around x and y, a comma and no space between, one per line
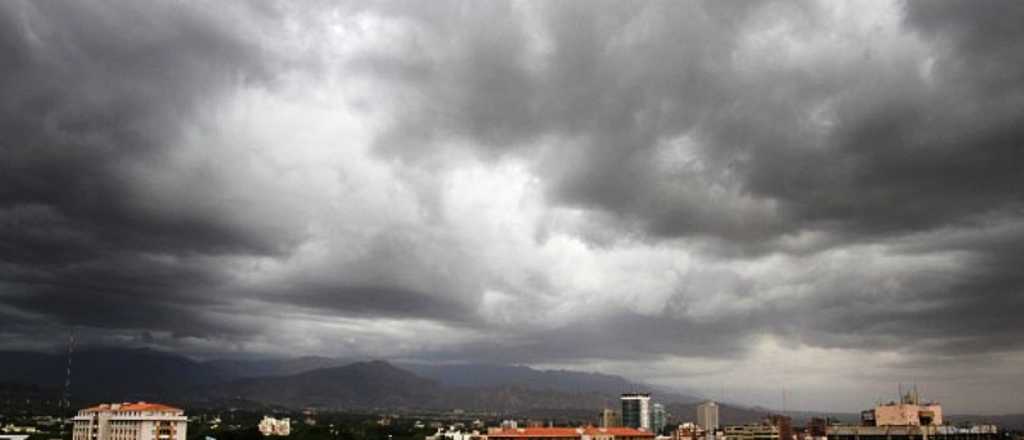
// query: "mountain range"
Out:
[330,383]
[118,374]
[111,374]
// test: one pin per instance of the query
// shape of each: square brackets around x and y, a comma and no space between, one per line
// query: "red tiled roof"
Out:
[619,432]
[536,432]
[147,406]
[569,432]
[133,406]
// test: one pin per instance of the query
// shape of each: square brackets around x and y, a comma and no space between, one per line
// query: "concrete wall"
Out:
[897,415]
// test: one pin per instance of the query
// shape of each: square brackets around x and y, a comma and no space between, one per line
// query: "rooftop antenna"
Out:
[65,401]
[66,398]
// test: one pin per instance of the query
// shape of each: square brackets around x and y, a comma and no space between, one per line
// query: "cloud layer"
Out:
[699,190]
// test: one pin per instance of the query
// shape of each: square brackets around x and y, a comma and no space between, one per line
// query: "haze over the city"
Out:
[728,197]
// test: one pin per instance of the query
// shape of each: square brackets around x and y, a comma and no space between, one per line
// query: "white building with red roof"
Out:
[130,421]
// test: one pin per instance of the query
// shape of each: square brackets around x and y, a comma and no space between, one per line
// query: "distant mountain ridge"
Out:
[566,381]
[133,374]
[483,375]
[239,369]
[128,374]
[375,384]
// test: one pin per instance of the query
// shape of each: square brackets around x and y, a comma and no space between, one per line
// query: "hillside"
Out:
[603,387]
[728,414]
[118,374]
[109,374]
[238,369]
[374,384]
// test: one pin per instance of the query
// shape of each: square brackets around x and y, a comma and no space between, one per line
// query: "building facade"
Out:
[271,426]
[658,417]
[762,431]
[588,433]
[130,421]
[707,416]
[908,420]
[636,411]
[926,432]
[689,431]
[610,419]
[908,412]
[456,434]
[784,424]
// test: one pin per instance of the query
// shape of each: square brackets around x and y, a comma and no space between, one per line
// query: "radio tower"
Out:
[65,401]
[66,398]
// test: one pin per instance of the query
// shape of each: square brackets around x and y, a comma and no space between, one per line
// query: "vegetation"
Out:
[332,426]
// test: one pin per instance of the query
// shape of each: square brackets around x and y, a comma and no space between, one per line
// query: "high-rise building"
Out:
[785,425]
[610,419]
[130,421]
[636,410]
[707,415]
[657,418]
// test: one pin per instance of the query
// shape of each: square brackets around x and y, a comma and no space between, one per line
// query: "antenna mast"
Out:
[65,401]
[66,398]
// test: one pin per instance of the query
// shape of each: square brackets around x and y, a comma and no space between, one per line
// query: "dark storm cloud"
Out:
[94,88]
[617,80]
[616,334]
[657,115]
[126,291]
[621,82]
[399,273]
[984,37]
[853,188]
[95,93]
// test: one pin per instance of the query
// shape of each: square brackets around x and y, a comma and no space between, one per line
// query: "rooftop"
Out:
[132,406]
[569,432]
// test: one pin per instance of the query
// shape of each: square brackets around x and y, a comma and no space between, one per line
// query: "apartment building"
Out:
[130,421]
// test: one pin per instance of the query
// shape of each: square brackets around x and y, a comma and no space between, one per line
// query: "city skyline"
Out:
[785,204]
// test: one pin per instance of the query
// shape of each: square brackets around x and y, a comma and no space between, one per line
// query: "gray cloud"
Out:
[660,120]
[537,182]
[95,94]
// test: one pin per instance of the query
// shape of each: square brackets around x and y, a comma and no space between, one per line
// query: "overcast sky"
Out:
[732,197]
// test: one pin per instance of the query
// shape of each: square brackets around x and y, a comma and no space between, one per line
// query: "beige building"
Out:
[130,421]
[707,416]
[271,426]
[588,433]
[923,432]
[902,414]
[909,420]
[752,432]
[689,431]
[610,419]
[908,412]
